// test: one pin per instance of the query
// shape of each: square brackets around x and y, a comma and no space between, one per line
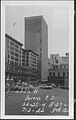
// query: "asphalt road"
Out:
[41,102]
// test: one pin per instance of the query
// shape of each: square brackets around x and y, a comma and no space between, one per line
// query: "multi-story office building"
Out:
[13,53]
[12,50]
[36,39]
[31,59]
[19,63]
[32,64]
[59,70]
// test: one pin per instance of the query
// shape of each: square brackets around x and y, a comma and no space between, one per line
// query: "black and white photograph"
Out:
[37,60]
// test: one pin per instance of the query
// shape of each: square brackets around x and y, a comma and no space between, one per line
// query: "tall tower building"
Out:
[36,39]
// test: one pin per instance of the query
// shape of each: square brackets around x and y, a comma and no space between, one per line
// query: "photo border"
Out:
[71,61]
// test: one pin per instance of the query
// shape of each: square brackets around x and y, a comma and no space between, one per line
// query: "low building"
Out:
[32,65]
[59,70]
[31,59]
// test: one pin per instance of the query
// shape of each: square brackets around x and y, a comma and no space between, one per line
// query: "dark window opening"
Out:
[64,74]
[58,74]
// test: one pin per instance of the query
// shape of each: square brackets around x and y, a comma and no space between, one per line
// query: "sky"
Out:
[56,17]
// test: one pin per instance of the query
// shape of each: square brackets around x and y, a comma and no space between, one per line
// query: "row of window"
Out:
[33,65]
[13,58]
[60,67]
[16,54]
[59,74]
[33,55]
[14,63]
[12,48]
[34,62]
[13,44]
[33,58]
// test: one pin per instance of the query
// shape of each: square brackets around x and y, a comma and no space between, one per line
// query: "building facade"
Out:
[31,59]
[23,60]
[59,70]
[13,50]
[36,39]
[31,62]
[56,59]
[16,60]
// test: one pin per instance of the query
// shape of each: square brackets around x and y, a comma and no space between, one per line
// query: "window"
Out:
[12,62]
[11,52]
[16,59]
[23,53]
[56,67]
[11,48]
[16,54]
[27,53]
[11,43]
[50,73]
[23,64]
[16,50]
[17,46]
[63,74]
[8,56]
[58,74]
[7,51]
[8,61]
[12,57]
[27,64]
[23,60]
[16,63]
[53,74]
[23,56]
[27,61]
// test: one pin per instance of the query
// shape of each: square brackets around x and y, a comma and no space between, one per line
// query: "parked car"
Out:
[53,85]
[44,86]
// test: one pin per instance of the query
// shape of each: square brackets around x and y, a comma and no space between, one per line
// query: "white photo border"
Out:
[71,56]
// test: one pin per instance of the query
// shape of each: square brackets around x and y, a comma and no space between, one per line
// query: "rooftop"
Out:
[8,36]
[34,17]
[30,51]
